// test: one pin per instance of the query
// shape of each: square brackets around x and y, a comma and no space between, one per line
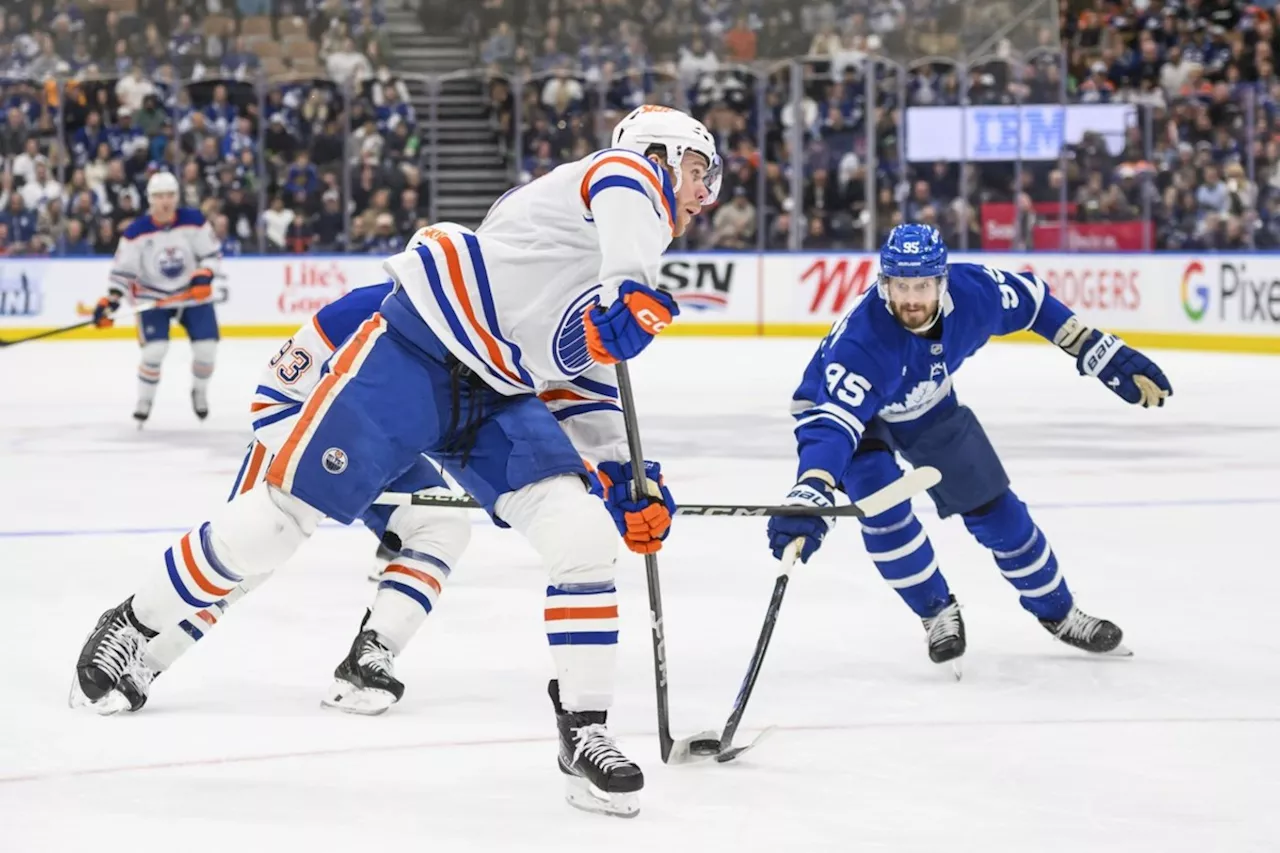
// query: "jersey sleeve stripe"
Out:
[315,322]
[615,181]
[277,416]
[849,418]
[661,191]
[825,418]
[272,394]
[486,303]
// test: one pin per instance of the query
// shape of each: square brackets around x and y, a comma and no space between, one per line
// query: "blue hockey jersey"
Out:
[870,366]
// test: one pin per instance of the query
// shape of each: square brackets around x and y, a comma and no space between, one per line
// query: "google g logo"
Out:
[1195,293]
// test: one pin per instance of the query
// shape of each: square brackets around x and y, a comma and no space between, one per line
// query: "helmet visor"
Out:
[713,178]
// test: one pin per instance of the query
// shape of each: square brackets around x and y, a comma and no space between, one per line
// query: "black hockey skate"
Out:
[111,672]
[141,412]
[135,686]
[600,778]
[365,682]
[944,632]
[1088,633]
[200,403]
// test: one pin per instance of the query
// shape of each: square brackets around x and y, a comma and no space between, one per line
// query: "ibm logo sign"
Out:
[999,133]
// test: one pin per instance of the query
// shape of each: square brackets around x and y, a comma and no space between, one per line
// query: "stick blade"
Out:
[733,752]
[904,488]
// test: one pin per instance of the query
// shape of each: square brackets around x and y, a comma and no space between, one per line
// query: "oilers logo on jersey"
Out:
[335,460]
[569,345]
[170,261]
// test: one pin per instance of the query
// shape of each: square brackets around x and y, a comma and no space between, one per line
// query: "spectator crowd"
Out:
[281,120]
[1200,161]
[286,124]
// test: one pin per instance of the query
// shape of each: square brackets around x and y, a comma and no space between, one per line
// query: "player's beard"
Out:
[917,316]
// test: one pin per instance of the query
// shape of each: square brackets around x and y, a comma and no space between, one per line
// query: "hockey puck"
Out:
[706,746]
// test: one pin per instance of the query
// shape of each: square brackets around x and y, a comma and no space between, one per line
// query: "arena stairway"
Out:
[472,167]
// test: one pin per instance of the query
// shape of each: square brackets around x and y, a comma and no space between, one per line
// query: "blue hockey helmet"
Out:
[913,251]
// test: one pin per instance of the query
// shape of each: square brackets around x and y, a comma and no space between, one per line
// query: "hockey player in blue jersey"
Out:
[881,382]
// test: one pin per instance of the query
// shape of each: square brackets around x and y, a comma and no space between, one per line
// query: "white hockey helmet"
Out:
[424,235]
[678,132]
[162,182]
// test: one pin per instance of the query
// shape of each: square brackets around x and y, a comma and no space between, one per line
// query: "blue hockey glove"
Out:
[645,522]
[1127,372]
[630,324]
[783,530]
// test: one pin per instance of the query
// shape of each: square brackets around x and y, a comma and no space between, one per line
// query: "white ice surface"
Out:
[1164,521]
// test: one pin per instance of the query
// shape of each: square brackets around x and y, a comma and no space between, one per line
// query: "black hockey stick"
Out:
[48,333]
[899,490]
[707,510]
[727,751]
[702,745]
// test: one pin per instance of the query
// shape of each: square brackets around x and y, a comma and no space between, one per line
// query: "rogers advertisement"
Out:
[1110,290]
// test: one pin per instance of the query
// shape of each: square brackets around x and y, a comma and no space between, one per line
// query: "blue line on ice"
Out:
[480,519]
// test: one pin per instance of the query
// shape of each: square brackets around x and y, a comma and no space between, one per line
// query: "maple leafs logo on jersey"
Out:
[924,395]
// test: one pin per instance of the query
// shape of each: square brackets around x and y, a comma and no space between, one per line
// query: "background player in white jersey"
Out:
[556,284]
[167,260]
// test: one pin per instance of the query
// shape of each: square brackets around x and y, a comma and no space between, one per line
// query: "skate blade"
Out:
[111,704]
[700,747]
[366,701]
[956,669]
[733,752]
[581,794]
[1120,651]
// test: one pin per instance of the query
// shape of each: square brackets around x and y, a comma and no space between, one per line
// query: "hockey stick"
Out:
[169,302]
[890,496]
[48,333]
[872,505]
[728,752]
[705,744]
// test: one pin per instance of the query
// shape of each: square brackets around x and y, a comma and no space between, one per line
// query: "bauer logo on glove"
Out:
[1128,373]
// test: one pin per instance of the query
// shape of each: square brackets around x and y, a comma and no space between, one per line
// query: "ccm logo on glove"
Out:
[626,327]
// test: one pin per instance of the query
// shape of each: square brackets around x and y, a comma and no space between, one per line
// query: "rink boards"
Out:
[1228,302]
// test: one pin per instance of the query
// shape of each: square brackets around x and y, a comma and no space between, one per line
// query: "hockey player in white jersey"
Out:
[364,681]
[555,287]
[165,264]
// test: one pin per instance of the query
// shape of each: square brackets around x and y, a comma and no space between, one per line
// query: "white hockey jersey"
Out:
[508,300]
[153,261]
